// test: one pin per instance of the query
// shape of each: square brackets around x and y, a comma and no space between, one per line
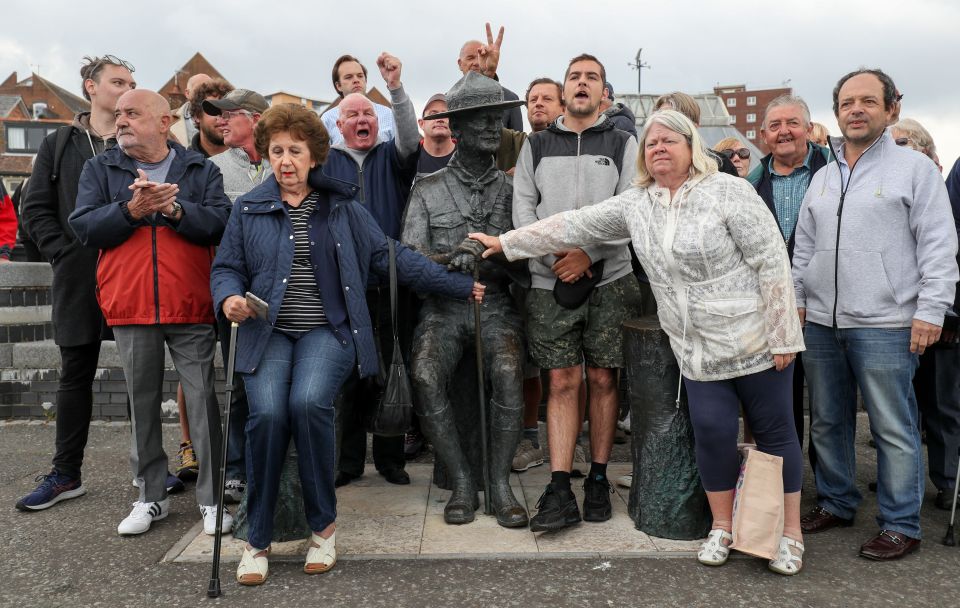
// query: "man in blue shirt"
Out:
[781,180]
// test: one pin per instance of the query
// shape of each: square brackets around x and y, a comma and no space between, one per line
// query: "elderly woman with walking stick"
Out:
[718,268]
[307,252]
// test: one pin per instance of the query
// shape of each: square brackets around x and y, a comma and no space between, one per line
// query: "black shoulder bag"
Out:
[392,415]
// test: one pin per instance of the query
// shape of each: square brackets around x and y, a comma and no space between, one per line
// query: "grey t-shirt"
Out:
[157,172]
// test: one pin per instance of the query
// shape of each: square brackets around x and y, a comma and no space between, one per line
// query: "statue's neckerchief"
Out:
[478,215]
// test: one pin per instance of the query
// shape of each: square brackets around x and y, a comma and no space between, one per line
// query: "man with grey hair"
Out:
[781,180]
[238,113]
[156,210]
[481,58]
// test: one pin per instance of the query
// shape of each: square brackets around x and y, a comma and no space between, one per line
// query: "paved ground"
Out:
[71,556]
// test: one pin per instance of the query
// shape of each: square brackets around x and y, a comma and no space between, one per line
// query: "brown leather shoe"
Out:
[888,545]
[821,520]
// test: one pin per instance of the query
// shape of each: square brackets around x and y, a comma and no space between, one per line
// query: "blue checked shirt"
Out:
[788,192]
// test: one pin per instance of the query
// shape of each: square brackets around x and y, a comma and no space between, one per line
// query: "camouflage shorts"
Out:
[560,337]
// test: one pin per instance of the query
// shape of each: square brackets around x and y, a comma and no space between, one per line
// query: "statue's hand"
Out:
[463,262]
[471,246]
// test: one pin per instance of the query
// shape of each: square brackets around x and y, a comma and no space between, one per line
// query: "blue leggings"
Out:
[767,400]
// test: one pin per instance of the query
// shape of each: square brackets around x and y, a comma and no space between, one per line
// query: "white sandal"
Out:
[322,554]
[253,568]
[789,559]
[713,552]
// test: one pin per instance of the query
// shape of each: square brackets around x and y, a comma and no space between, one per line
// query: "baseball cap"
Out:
[437,97]
[237,99]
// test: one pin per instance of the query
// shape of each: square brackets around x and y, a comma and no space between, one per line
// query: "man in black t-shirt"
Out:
[438,145]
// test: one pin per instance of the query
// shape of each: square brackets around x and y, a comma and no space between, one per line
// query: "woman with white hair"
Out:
[719,270]
[908,132]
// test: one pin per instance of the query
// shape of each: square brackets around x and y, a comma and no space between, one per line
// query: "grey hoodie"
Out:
[897,246]
[239,174]
[559,170]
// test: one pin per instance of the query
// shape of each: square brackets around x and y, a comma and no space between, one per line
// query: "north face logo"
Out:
[603,161]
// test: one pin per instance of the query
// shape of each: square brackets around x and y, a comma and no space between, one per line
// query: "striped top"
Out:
[302,308]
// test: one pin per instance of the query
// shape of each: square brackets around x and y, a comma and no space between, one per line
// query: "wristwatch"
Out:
[177,209]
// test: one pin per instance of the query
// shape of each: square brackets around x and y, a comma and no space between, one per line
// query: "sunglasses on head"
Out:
[743,153]
[902,141]
[114,60]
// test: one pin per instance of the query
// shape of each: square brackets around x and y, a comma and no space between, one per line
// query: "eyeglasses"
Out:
[114,60]
[743,153]
[902,141]
[228,114]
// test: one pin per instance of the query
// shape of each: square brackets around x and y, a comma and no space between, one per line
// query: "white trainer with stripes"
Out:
[142,515]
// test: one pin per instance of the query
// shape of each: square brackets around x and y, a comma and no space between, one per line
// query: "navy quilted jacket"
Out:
[256,255]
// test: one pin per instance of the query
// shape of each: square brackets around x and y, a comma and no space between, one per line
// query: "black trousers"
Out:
[78,366]
[358,394]
[937,386]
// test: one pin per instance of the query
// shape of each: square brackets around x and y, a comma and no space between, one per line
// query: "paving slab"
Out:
[377,520]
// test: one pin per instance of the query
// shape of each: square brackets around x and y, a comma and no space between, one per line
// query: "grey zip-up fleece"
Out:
[239,174]
[897,244]
[559,170]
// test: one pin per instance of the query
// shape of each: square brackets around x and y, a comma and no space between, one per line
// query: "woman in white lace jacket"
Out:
[719,270]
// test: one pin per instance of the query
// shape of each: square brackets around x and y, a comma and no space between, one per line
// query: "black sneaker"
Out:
[596,499]
[555,510]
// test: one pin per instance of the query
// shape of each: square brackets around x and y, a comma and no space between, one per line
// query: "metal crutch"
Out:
[213,588]
[948,538]
[481,392]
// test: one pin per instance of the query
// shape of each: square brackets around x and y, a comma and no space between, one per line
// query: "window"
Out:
[751,100]
[733,119]
[731,102]
[751,118]
[751,134]
[26,138]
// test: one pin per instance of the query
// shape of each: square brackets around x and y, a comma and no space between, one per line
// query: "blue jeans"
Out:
[291,393]
[879,361]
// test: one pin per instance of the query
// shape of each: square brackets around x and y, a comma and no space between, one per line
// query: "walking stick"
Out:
[481,391]
[213,588]
[948,539]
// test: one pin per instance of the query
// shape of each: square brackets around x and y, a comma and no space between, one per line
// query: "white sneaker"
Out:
[210,520]
[142,515]
[625,481]
[624,425]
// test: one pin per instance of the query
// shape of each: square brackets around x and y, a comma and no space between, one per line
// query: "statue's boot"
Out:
[503,444]
[441,429]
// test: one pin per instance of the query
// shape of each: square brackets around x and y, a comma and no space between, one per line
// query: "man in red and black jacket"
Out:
[155,210]
[8,225]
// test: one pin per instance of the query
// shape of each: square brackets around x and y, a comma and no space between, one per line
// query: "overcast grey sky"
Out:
[690,46]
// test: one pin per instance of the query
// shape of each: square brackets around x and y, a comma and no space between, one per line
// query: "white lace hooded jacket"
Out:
[717,265]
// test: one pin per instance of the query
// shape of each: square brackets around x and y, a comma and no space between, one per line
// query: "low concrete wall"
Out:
[30,360]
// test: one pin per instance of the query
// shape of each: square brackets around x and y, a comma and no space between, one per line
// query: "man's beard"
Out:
[212,135]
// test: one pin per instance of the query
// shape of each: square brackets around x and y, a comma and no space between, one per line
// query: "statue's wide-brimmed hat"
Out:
[472,93]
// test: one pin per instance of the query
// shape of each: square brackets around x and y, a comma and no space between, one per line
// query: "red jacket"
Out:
[142,284]
[152,270]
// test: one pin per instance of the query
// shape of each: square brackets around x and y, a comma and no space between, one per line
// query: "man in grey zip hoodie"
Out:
[579,160]
[874,270]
